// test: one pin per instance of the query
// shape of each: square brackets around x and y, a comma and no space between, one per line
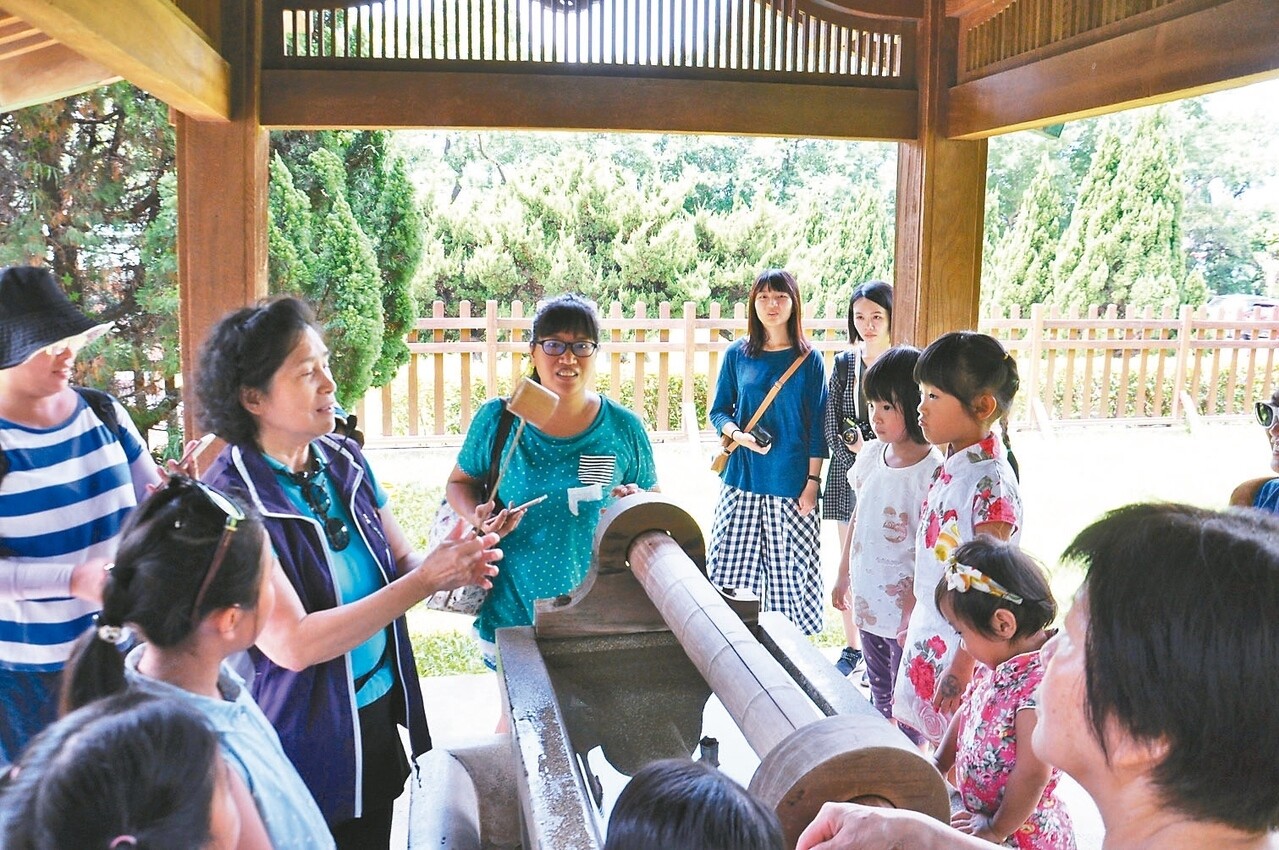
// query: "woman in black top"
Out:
[870,321]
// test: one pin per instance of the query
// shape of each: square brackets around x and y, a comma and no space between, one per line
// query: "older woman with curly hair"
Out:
[334,668]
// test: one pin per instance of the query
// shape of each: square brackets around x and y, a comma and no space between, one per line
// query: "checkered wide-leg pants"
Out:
[761,544]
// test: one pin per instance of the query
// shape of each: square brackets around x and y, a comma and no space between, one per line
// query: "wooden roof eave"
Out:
[1229,44]
[386,99]
[149,42]
[36,69]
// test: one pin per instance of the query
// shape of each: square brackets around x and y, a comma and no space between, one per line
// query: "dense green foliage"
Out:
[87,187]
[1155,207]
[1020,266]
[647,218]
[346,234]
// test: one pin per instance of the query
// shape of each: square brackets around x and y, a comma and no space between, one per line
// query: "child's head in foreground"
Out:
[678,804]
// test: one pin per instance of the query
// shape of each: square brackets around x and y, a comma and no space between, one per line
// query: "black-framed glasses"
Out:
[233,517]
[1266,413]
[556,347]
[317,498]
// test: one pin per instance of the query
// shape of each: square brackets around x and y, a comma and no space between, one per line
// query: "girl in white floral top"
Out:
[967,382]
[876,577]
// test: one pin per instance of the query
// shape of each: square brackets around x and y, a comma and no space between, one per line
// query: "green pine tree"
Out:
[1123,245]
[1019,271]
[289,246]
[345,287]
[375,185]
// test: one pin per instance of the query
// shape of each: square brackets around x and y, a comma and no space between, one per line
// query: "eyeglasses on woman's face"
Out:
[557,347]
[1266,413]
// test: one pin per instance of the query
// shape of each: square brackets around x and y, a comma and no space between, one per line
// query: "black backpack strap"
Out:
[103,406]
[505,420]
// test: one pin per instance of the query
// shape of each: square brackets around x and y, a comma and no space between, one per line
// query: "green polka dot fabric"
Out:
[549,553]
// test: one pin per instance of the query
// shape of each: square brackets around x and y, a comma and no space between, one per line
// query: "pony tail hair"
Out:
[1008,446]
[95,668]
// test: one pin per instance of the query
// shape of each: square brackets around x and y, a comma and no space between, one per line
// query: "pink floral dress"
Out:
[986,751]
[972,487]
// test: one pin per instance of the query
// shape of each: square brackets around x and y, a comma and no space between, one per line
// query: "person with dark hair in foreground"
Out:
[193,575]
[129,771]
[1158,695]
[677,804]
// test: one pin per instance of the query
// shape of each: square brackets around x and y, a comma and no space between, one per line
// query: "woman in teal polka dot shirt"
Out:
[589,453]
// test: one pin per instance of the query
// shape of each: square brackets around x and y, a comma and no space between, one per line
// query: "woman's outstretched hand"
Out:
[464,558]
[848,826]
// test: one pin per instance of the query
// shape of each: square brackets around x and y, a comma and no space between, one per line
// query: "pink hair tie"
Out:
[122,841]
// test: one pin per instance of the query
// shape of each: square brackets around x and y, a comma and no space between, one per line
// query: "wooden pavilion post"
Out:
[941,188]
[222,193]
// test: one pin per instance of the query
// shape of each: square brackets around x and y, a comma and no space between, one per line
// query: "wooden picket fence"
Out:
[1142,368]
[1098,367]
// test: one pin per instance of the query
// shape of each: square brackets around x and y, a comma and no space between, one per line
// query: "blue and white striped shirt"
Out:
[63,501]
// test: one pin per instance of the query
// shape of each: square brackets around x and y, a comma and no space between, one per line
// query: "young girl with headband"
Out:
[997,598]
[967,382]
[193,574]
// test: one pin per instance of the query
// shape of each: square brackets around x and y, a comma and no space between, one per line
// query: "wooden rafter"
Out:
[149,42]
[46,71]
[1221,46]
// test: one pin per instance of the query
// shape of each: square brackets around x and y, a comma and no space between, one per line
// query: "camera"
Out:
[852,426]
[762,437]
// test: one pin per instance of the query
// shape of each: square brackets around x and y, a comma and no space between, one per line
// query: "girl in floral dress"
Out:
[967,382]
[999,601]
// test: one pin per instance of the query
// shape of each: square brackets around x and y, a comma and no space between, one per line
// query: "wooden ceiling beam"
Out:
[51,72]
[1215,48]
[315,100]
[971,11]
[149,42]
[887,9]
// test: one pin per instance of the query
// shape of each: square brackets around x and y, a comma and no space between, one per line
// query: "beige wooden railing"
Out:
[1074,369]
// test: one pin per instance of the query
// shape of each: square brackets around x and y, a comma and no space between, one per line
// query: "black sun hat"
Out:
[34,312]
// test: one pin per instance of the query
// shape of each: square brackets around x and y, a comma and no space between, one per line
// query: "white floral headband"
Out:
[963,578]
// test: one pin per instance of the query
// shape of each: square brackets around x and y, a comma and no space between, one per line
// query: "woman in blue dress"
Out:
[765,537]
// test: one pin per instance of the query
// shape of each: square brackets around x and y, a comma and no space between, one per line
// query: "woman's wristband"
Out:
[815,478]
[732,435]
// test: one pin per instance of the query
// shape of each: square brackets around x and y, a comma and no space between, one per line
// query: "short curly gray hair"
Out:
[244,350]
